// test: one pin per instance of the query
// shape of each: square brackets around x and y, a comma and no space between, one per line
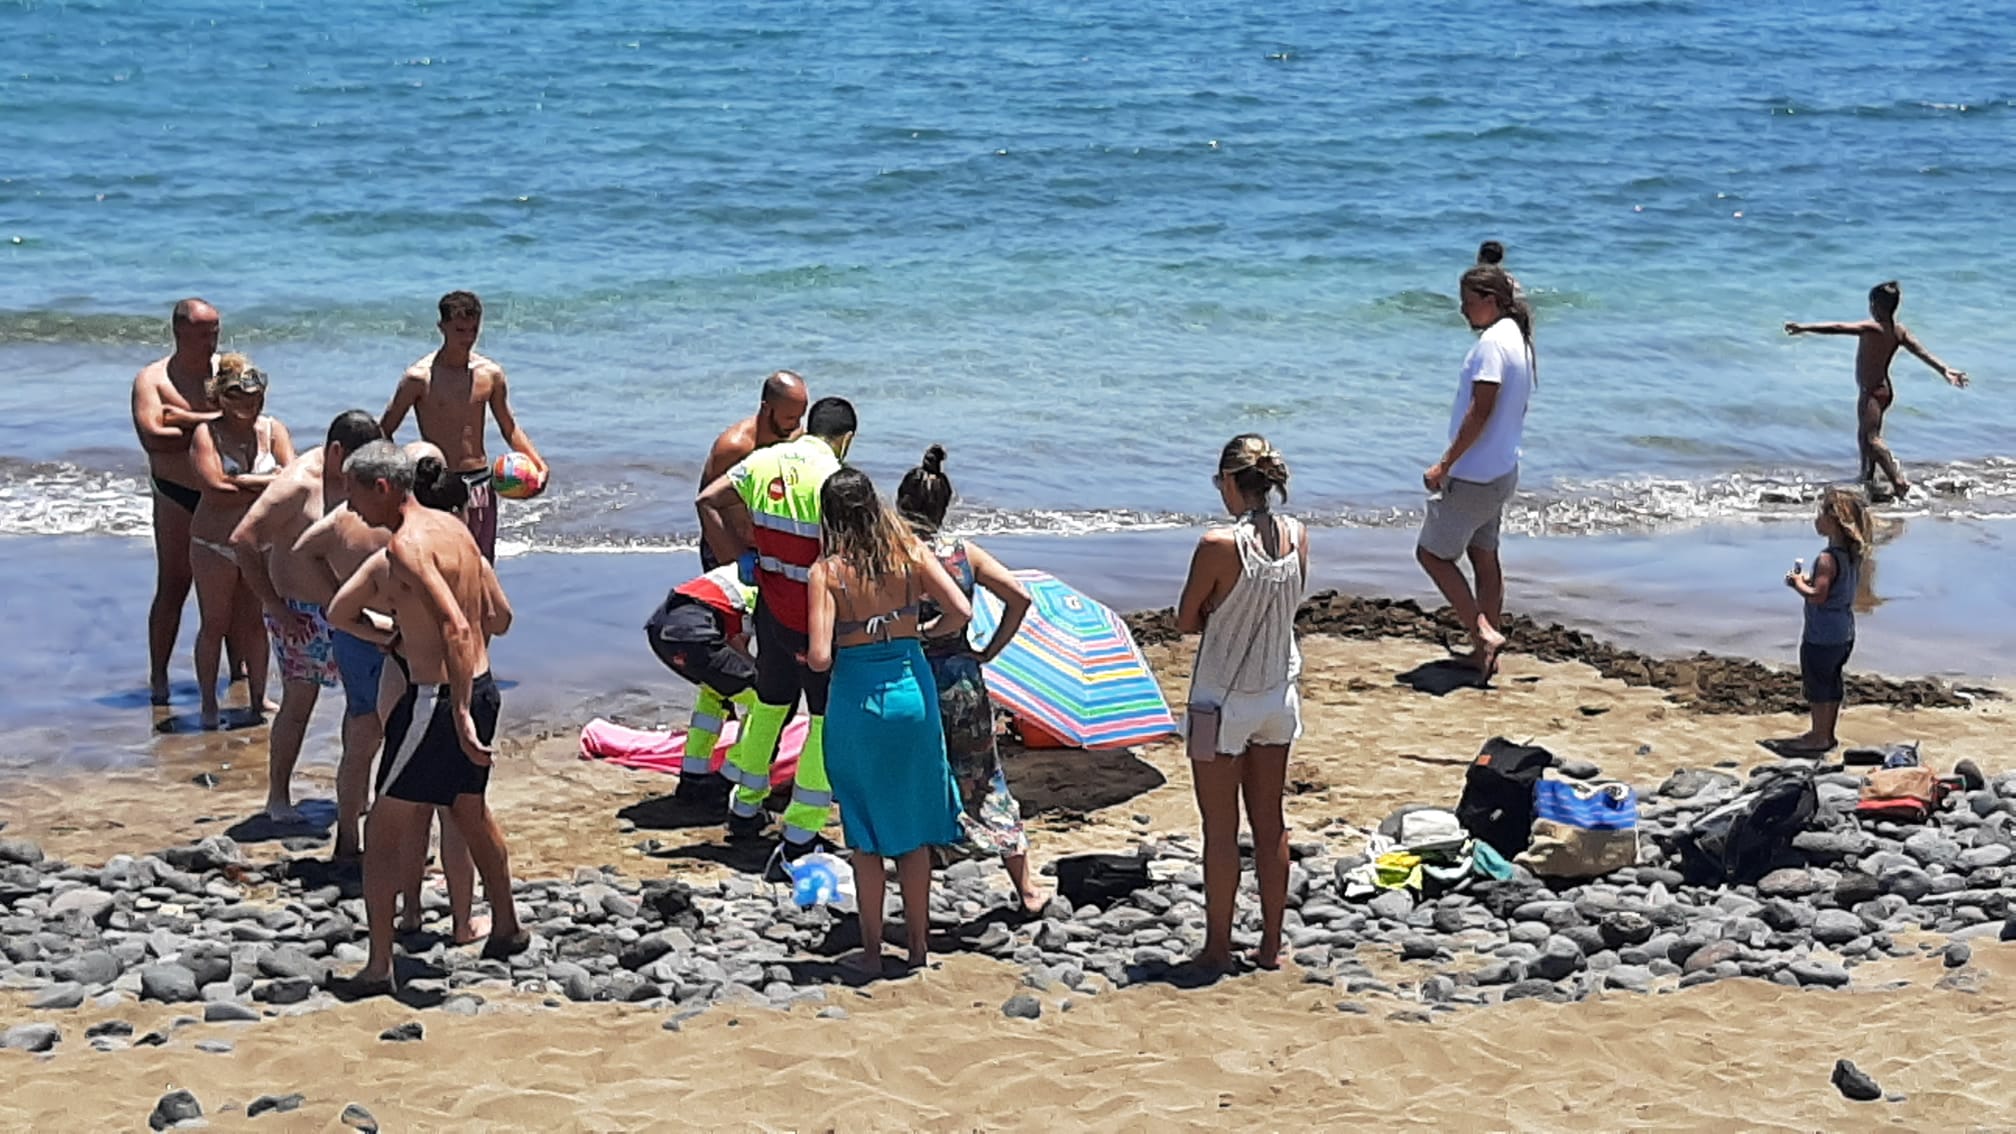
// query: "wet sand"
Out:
[935,1053]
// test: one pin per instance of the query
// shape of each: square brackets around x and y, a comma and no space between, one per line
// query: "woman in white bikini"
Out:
[236,457]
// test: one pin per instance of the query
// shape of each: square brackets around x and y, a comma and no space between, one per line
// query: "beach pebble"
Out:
[274,1104]
[31,1038]
[169,983]
[1535,990]
[1957,954]
[1577,769]
[1853,1083]
[1791,882]
[97,966]
[108,1028]
[21,852]
[833,1012]
[174,1107]
[357,1118]
[61,995]
[1822,973]
[88,903]
[1836,927]
[229,1012]
[1022,1006]
[215,1047]
[1392,905]
[291,990]
[407,1032]
[1558,958]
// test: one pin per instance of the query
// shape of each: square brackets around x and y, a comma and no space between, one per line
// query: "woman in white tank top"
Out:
[1245,584]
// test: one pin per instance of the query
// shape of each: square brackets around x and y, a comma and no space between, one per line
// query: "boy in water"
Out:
[1878,338]
[450,391]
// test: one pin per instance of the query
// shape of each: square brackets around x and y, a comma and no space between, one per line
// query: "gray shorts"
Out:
[1466,514]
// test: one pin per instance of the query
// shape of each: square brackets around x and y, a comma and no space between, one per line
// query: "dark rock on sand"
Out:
[1957,954]
[22,852]
[1853,1083]
[169,983]
[357,1118]
[1022,1006]
[229,1012]
[404,1033]
[274,1104]
[174,1107]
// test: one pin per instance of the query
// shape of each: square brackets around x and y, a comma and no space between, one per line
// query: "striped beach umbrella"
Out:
[1073,669]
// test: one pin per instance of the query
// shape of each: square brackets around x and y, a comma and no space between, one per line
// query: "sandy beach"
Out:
[934,1052]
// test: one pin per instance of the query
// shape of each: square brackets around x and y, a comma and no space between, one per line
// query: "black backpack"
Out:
[1100,879]
[1751,835]
[1497,803]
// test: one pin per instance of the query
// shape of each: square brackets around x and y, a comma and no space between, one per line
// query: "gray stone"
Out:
[1853,1083]
[1855,888]
[169,983]
[1786,915]
[31,1038]
[291,962]
[92,905]
[1957,954]
[1836,927]
[1907,882]
[1713,954]
[463,1005]
[1392,905]
[1817,972]
[1577,769]
[1931,848]
[274,1104]
[1534,990]
[229,1012]
[357,1118]
[1791,882]
[1418,947]
[63,995]
[95,967]
[216,1047]
[21,852]
[1558,958]
[1022,1006]
[174,1107]
[407,1032]
[833,1012]
[1832,846]
[1983,857]
[1625,928]
[1531,932]
[292,990]
[1632,978]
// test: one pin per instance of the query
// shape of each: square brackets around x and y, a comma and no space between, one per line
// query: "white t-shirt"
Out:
[1500,359]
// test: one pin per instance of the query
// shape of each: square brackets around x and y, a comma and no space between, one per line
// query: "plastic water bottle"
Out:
[819,879]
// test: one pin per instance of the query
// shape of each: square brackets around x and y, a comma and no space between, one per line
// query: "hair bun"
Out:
[934,460]
[1271,465]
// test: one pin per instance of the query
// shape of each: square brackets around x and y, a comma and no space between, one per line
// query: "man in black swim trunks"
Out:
[170,400]
[444,605]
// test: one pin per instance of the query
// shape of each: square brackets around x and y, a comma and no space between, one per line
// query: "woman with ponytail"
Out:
[992,817]
[1469,487]
[1245,710]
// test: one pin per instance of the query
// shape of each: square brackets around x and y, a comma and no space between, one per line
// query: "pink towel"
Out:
[662,751]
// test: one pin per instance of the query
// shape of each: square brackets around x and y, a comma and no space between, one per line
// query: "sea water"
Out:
[1081,245]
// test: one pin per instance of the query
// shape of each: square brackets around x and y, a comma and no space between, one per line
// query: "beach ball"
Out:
[515,477]
[818,879]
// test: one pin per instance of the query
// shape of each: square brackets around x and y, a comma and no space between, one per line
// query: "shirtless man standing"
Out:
[449,390]
[1878,338]
[295,590]
[776,419]
[170,400]
[443,604]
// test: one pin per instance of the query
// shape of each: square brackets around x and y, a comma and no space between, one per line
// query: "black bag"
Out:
[1497,803]
[1751,835]
[1100,879]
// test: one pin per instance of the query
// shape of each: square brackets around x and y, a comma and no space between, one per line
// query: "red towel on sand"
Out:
[662,751]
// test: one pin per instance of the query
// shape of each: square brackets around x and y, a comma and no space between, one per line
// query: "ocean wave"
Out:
[620,512]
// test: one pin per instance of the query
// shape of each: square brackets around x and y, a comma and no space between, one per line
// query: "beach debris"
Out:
[274,1104]
[173,1108]
[1854,1083]
[357,1118]
[1022,1006]
[203,780]
[407,1032]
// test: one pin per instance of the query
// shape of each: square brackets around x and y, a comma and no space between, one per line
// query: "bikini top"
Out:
[879,625]
[262,462]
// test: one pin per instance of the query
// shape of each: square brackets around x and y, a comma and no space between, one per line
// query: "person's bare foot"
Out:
[373,982]
[1489,642]
[409,922]
[1216,964]
[1265,958]
[1033,902]
[477,929]
[157,690]
[212,718]
[917,960]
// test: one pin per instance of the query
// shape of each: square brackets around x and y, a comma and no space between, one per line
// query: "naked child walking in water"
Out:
[1878,338]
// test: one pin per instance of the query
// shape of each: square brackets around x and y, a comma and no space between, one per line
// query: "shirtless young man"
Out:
[777,418]
[1877,340]
[449,390]
[170,400]
[443,605]
[295,590]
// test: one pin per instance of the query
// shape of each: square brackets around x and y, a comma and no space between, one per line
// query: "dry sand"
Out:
[934,1053]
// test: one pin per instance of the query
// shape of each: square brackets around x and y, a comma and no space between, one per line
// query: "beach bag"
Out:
[1582,830]
[1100,879]
[1906,794]
[1744,839]
[1497,801]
